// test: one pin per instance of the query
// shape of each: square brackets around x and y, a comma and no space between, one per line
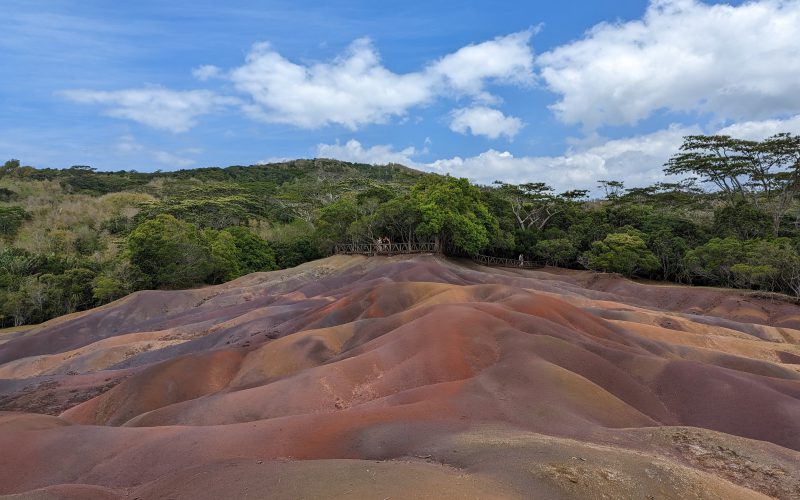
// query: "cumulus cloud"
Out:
[128,144]
[172,160]
[352,90]
[506,59]
[206,71]
[481,120]
[759,130]
[735,62]
[354,151]
[159,108]
[355,89]
[636,160]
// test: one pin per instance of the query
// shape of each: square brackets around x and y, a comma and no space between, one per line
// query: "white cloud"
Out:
[507,59]
[354,151]
[734,62]
[130,147]
[759,130]
[155,107]
[355,88]
[274,159]
[636,160]
[480,120]
[205,72]
[128,144]
[172,160]
[352,90]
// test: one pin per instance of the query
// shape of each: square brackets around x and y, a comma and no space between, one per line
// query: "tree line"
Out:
[75,238]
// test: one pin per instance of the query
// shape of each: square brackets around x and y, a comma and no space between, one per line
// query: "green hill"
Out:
[76,238]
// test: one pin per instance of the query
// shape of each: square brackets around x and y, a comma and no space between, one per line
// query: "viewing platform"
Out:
[386,248]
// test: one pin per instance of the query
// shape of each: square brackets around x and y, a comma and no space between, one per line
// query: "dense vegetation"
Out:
[77,238]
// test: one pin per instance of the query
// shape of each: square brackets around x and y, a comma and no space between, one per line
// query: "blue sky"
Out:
[566,92]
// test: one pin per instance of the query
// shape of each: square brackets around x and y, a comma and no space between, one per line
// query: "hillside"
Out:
[407,377]
[64,233]
[77,238]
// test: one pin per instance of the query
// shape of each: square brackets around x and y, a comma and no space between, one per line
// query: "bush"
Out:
[742,221]
[253,254]
[624,253]
[714,261]
[172,253]
[556,252]
[11,218]
[223,253]
[295,252]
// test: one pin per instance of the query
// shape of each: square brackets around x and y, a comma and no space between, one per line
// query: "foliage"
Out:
[76,238]
[713,262]
[223,253]
[11,218]
[252,253]
[171,252]
[293,253]
[625,253]
[741,220]
[556,252]
[451,211]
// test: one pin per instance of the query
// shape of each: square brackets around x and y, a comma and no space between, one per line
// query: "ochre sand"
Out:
[407,377]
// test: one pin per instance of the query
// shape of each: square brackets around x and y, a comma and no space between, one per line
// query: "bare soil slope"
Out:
[407,377]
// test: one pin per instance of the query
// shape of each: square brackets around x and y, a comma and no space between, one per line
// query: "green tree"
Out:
[453,214]
[9,167]
[713,262]
[72,290]
[534,204]
[716,159]
[556,252]
[335,220]
[294,252]
[772,265]
[741,220]
[170,252]
[253,254]
[398,218]
[224,256]
[118,278]
[670,251]
[625,253]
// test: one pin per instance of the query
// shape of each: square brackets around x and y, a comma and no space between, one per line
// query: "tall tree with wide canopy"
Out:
[764,173]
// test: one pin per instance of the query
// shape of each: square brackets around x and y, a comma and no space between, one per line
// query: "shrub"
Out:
[172,253]
[555,252]
[624,253]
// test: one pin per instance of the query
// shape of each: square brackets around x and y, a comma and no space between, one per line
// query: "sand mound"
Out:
[407,377]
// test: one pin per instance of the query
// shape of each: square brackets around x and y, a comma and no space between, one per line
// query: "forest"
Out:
[76,238]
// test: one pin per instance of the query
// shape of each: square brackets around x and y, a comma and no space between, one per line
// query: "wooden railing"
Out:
[385,248]
[487,260]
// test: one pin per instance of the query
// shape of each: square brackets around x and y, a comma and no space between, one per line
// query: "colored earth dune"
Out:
[407,377]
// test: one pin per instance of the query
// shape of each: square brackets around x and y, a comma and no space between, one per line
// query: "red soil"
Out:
[408,378]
